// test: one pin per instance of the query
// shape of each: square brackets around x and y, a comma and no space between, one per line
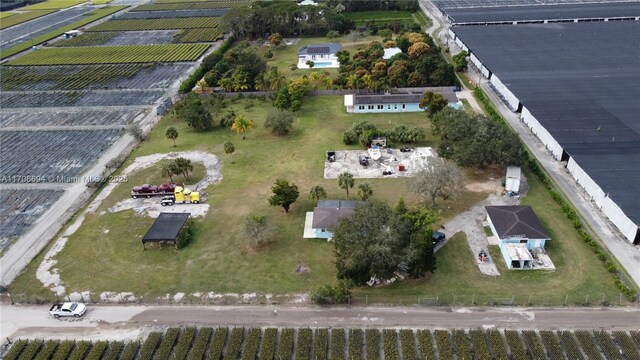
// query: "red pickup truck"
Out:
[147,190]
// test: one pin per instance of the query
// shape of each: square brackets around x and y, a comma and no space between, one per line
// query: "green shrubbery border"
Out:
[207,64]
[567,208]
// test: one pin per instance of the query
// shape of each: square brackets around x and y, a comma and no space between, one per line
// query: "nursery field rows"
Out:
[87,77]
[336,344]
[112,54]
[107,38]
[172,14]
[19,209]
[157,24]
[12,19]
[40,26]
[50,156]
[67,117]
[190,4]
[61,99]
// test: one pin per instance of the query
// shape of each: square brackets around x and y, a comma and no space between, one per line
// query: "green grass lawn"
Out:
[578,272]
[284,57]
[361,17]
[106,253]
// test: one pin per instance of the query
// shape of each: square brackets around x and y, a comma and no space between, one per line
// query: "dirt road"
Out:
[130,322]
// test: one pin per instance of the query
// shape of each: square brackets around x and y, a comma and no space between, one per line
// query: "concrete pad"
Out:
[348,161]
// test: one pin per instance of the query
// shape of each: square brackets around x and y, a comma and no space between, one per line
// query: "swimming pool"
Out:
[323,64]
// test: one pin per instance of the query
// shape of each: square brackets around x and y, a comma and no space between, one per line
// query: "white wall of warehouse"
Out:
[541,133]
[608,207]
[479,65]
[511,99]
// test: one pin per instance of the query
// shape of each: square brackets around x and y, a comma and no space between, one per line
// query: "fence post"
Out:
[529,301]
[586,300]
[620,299]
[366,299]
[602,299]
[566,299]
[473,300]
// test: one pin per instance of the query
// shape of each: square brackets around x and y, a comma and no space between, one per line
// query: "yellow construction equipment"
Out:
[182,195]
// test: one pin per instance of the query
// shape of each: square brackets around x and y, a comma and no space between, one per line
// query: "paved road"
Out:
[129,322]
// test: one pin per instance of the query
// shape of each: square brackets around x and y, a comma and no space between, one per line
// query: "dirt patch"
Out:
[391,160]
[492,186]
[151,207]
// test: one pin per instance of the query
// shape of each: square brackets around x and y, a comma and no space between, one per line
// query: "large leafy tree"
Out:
[371,242]
[440,179]
[193,112]
[229,149]
[183,166]
[241,125]
[280,122]
[433,102]
[284,194]
[346,182]
[256,230]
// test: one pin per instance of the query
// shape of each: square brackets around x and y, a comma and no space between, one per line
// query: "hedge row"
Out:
[408,344]
[425,341]
[217,344]
[533,344]
[150,346]
[497,345]
[515,345]
[130,350]
[207,64]
[356,341]
[113,352]
[320,344]
[200,344]
[285,344]
[390,338]
[64,349]
[97,350]
[372,341]
[80,350]
[32,349]
[251,344]
[337,344]
[234,344]
[268,348]
[48,349]
[303,344]
[184,343]
[463,348]
[443,341]
[479,341]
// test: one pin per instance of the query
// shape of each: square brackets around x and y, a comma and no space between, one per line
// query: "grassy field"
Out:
[112,54]
[218,260]
[93,16]
[284,57]
[53,5]
[578,272]
[10,18]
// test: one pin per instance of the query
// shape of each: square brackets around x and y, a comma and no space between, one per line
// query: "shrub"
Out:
[356,340]
[97,350]
[251,344]
[372,341]
[332,34]
[185,235]
[248,105]
[200,344]
[337,294]
[136,131]
[80,350]
[207,64]
[349,137]
[113,351]
[285,345]
[130,350]
[337,344]
[235,341]
[64,349]
[217,344]
[320,344]
[268,347]
[184,343]
[303,344]
[15,349]
[279,121]
[50,347]
[33,346]
[268,54]
[150,345]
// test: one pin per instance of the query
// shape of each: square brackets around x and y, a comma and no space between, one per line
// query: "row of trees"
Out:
[419,64]
[238,70]
[284,17]
[364,133]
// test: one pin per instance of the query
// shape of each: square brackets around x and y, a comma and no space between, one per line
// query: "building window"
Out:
[370,107]
[380,107]
[313,57]
[388,107]
[395,106]
[361,107]
[404,106]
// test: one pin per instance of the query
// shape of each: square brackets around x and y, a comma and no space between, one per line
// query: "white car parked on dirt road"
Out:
[67,309]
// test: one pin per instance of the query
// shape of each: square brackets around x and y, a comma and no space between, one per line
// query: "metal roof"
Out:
[516,221]
[543,12]
[316,49]
[446,92]
[166,227]
[580,81]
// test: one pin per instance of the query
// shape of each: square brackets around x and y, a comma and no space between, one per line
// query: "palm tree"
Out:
[183,166]
[364,191]
[277,80]
[317,192]
[345,182]
[240,81]
[226,83]
[172,134]
[241,125]
[229,149]
[166,169]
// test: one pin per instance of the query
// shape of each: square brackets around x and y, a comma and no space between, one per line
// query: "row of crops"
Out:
[340,344]
[62,99]
[53,5]
[45,156]
[198,35]
[67,117]
[120,38]
[19,209]
[84,77]
[157,24]
[112,54]
[13,18]
[184,5]
[172,14]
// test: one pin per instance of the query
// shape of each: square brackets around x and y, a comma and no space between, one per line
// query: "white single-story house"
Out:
[519,232]
[322,55]
[389,52]
[308,2]
[319,223]
[393,103]
[512,181]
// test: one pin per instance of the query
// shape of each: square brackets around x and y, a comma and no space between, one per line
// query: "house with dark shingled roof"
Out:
[519,233]
[322,55]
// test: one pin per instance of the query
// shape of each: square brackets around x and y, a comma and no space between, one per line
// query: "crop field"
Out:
[361,17]
[38,26]
[45,155]
[157,24]
[85,77]
[6,14]
[198,35]
[312,344]
[119,38]
[19,209]
[79,98]
[112,54]
[58,28]
[194,13]
[53,4]
[10,18]
[64,117]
